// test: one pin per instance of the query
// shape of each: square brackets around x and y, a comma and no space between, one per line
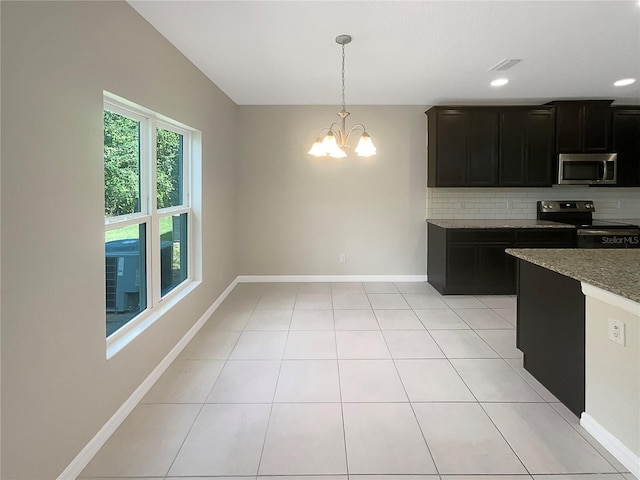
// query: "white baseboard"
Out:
[330,278]
[625,456]
[95,444]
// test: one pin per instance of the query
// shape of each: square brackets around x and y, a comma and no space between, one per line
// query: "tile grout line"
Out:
[344,426]
[415,416]
[205,399]
[185,439]
[491,419]
[275,390]
[474,395]
[585,438]
[481,406]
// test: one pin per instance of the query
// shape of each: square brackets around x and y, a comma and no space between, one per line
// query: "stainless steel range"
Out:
[590,233]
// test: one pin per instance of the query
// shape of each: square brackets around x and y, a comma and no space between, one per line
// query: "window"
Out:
[148,212]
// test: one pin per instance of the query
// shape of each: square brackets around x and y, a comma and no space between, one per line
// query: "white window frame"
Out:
[150,215]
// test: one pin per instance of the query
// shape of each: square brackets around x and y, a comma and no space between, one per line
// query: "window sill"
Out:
[120,339]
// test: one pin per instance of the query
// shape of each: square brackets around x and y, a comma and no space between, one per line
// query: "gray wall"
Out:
[58,389]
[297,213]
[612,381]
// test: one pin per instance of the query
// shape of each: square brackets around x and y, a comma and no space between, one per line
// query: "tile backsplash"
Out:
[611,203]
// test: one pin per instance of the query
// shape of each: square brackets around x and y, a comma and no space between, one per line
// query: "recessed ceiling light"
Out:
[624,82]
[499,82]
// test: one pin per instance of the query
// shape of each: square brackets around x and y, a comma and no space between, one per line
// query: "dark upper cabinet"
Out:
[491,146]
[482,148]
[497,146]
[463,147]
[527,147]
[583,126]
[626,143]
[448,144]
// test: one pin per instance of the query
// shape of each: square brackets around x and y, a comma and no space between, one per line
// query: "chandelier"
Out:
[336,138]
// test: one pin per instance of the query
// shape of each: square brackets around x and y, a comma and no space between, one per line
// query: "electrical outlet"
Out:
[342,258]
[616,331]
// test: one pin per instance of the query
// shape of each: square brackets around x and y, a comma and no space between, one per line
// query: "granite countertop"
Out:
[632,221]
[497,223]
[614,270]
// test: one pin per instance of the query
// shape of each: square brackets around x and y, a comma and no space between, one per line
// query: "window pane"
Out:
[126,276]
[121,165]
[173,252]
[169,168]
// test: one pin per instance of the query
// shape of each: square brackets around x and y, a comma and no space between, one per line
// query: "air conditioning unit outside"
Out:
[122,269]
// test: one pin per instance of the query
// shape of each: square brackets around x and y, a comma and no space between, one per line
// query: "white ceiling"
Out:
[406,52]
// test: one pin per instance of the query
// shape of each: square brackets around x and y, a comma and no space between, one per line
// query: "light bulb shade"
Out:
[365,146]
[337,153]
[316,149]
[330,146]
[329,143]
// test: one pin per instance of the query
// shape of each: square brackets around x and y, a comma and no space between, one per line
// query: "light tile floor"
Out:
[374,381]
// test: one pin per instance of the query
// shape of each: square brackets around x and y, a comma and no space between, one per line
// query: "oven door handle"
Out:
[625,233]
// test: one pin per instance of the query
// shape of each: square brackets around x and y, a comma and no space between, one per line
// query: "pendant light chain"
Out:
[343,102]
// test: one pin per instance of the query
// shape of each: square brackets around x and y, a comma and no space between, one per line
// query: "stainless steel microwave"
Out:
[587,169]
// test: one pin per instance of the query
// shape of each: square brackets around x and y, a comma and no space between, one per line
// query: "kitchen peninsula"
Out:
[569,300]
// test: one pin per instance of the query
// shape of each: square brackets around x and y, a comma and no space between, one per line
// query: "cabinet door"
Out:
[597,127]
[526,147]
[451,148]
[539,168]
[477,263]
[626,143]
[482,148]
[462,267]
[569,127]
[583,126]
[513,127]
[497,269]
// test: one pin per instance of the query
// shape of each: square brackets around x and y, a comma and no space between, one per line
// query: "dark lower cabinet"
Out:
[481,268]
[469,261]
[497,270]
[545,238]
[462,266]
[551,332]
